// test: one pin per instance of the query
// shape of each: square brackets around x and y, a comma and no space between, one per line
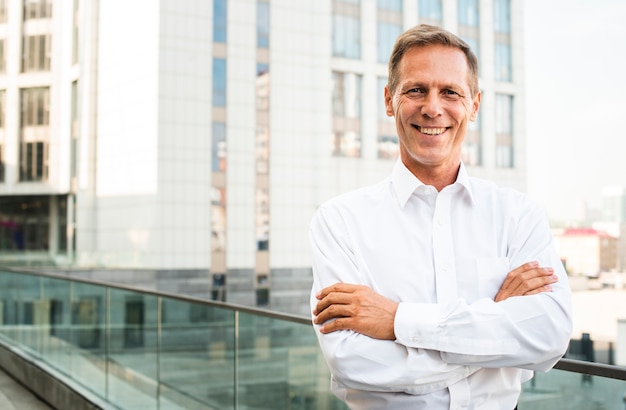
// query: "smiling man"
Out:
[433,289]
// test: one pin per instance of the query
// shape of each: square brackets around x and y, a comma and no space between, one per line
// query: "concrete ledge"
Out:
[44,383]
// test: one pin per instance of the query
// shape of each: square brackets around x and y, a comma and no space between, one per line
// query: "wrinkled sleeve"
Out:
[530,332]
[357,361]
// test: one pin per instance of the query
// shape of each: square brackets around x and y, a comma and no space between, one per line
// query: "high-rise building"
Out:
[193,140]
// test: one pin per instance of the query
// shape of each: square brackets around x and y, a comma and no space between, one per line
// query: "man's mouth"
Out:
[431,130]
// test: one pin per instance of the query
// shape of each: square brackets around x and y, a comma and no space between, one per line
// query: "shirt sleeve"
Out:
[358,361]
[530,332]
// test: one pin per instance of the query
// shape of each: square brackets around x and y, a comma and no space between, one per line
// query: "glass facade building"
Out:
[188,151]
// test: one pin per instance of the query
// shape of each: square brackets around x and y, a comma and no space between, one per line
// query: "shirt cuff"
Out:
[417,324]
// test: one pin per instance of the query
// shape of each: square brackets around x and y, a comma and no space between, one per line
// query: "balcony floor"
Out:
[14,396]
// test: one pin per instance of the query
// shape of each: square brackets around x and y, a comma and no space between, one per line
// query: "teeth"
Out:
[432,131]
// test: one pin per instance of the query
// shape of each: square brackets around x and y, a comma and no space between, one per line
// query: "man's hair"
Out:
[425,35]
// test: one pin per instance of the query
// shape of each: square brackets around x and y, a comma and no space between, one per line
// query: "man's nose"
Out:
[432,105]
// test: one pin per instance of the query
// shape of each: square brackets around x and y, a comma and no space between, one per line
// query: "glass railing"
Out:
[136,349]
[140,350]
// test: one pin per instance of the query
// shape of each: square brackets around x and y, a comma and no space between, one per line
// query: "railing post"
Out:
[236,359]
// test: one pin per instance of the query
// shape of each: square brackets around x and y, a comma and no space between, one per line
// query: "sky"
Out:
[575,72]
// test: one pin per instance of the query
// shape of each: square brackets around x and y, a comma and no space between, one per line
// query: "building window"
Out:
[503,69]
[386,34]
[430,11]
[468,13]
[3,11]
[2,113]
[346,41]
[3,60]
[502,28]
[36,53]
[469,21]
[35,109]
[37,9]
[219,82]
[472,144]
[387,141]
[389,5]
[35,118]
[504,131]
[388,28]
[218,290]
[219,21]
[502,16]
[263,24]
[346,139]
[218,147]
[76,33]
[2,161]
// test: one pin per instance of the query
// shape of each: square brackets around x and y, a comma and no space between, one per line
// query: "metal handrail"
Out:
[565,364]
[592,368]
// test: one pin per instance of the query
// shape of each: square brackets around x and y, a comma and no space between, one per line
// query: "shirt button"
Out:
[415,339]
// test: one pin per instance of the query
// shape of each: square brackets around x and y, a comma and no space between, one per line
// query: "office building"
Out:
[186,144]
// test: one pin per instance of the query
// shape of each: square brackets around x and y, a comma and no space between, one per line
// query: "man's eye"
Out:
[450,92]
[414,91]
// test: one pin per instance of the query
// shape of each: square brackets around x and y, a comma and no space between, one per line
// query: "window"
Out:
[35,109]
[218,147]
[346,139]
[346,39]
[430,10]
[3,11]
[37,9]
[387,142]
[219,21]
[469,20]
[472,145]
[3,61]
[346,95]
[35,118]
[75,33]
[2,106]
[263,24]
[502,16]
[468,13]
[504,131]
[386,34]
[389,5]
[36,53]
[503,69]
[1,164]
[219,82]
[218,291]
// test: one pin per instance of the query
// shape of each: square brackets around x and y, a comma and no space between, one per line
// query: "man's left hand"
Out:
[357,308]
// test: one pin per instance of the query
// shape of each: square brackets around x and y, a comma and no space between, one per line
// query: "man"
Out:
[432,289]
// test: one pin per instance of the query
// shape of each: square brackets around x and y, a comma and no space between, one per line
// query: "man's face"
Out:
[432,105]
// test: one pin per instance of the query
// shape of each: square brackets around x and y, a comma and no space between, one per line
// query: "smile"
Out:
[431,131]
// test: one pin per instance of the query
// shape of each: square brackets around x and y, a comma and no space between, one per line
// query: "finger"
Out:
[542,289]
[524,279]
[333,326]
[337,287]
[333,298]
[333,312]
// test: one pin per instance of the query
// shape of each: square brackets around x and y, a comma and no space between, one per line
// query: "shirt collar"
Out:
[404,183]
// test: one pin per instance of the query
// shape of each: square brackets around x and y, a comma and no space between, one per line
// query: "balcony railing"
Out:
[126,348]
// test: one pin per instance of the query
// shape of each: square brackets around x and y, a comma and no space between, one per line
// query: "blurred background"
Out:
[184,145]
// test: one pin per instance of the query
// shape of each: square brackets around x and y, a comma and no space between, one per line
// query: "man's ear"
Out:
[475,106]
[388,102]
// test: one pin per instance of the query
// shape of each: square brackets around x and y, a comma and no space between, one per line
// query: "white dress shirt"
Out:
[443,256]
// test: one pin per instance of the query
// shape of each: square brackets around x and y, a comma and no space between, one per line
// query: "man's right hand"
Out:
[527,279]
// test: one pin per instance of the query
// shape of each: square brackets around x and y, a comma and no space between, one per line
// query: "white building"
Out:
[188,143]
